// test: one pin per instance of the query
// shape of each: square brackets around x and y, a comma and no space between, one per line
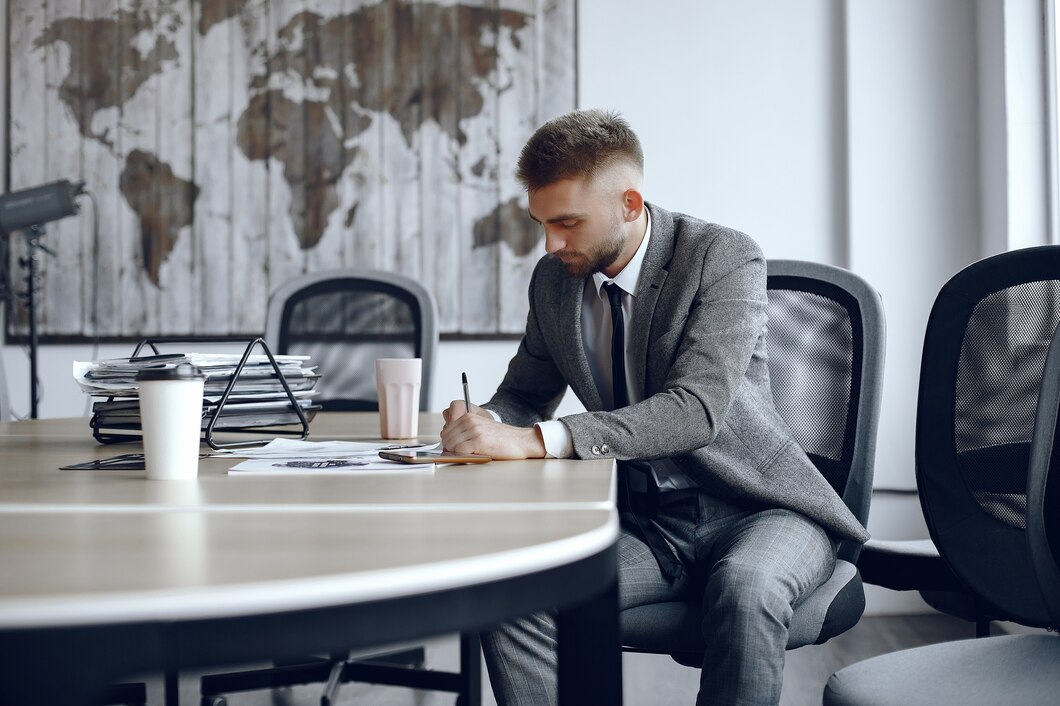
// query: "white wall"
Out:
[734,103]
[914,181]
[1028,124]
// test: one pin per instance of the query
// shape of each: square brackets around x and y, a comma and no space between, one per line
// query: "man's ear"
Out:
[632,204]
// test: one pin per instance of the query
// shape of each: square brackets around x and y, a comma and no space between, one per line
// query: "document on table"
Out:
[293,457]
[326,467]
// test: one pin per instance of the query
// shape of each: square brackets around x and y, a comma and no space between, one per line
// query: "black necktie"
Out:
[618,347]
[637,493]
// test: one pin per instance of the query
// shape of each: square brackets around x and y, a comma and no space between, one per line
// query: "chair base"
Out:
[399,668]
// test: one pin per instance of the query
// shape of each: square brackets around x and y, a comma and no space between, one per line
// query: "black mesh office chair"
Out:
[826,349]
[1005,308]
[986,423]
[344,320]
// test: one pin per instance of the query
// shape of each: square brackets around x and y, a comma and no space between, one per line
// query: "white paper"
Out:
[293,449]
[327,467]
[300,458]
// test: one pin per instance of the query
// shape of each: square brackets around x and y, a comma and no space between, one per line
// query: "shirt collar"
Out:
[627,278]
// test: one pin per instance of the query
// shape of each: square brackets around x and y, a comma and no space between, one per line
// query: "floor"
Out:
[648,680]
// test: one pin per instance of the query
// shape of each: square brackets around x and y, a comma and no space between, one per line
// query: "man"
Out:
[656,320]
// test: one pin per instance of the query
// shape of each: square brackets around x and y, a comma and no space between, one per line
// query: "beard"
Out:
[580,265]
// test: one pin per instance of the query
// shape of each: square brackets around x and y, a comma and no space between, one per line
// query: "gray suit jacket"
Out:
[697,349]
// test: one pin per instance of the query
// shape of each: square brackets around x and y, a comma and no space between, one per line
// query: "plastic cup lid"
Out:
[181,371]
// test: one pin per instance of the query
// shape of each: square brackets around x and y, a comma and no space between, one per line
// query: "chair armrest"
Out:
[906,565]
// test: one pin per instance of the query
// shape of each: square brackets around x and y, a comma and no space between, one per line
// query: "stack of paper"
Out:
[257,399]
[117,377]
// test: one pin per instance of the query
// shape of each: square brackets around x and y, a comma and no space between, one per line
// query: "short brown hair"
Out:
[578,144]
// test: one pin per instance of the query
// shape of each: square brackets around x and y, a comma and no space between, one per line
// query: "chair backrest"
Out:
[345,319]
[985,347]
[825,343]
[1043,487]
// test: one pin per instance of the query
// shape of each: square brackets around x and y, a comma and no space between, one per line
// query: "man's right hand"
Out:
[457,410]
[479,432]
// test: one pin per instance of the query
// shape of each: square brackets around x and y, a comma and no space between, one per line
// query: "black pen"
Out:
[467,396]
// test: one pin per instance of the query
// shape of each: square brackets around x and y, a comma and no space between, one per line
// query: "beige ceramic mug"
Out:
[397,382]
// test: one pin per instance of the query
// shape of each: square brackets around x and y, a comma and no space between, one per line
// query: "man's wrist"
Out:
[535,443]
[557,439]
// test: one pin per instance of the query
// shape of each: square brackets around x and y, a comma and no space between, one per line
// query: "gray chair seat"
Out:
[1014,669]
[673,627]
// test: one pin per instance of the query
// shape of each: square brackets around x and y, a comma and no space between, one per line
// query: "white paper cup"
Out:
[397,382]
[171,420]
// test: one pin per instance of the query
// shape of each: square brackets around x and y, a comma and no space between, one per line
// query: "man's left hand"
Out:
[475,434]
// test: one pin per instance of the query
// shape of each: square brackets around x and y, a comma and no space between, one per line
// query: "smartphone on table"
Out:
[433,456]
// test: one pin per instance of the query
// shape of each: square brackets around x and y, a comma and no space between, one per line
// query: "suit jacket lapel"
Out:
[653,274]
[579,375]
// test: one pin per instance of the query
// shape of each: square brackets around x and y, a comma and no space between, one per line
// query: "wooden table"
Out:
[106,573]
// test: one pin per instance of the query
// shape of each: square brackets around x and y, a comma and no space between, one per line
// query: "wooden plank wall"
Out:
[233,145]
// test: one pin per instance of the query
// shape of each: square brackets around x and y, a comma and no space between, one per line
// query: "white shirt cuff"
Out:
[496,417]
[558,441]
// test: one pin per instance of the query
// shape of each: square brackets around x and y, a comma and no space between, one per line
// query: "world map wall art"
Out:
[231,145]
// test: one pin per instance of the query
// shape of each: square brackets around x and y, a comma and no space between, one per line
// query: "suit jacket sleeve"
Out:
[713,313]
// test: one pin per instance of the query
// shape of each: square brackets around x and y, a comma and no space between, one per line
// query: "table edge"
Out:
[263,597]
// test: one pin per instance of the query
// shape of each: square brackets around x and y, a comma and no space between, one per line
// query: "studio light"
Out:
[39,205]
[28,210]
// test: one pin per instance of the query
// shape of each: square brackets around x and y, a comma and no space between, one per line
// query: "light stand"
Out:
[28,210]
[33,244]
